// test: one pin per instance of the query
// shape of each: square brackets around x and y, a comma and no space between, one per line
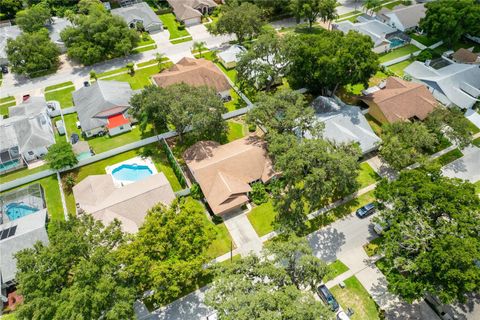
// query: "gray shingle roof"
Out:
[102,99]
[30,229]
[56,27]
[7,32]
[138,12]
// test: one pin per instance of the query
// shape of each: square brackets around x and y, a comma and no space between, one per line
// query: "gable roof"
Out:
[409,16]
[29,230]
[7,32]
[56,27]
[98,196]
[102,99]
[140,11]
[232,54]
[194,72]
[344,124]
[459,82]
[187,9]
[224,172]
[465,56]
[375,29]
[401,100]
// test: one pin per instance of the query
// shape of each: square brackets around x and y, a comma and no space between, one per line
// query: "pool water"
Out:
[18,210]
[9,165]
[396,42]
[131,172]
[84,155]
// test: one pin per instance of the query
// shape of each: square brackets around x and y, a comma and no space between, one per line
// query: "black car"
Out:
[366,210]
[328,297]
[4,69]
[74,138]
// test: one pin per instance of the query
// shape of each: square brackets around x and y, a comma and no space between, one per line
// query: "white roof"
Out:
[232,54]
[409,16]
[344,124]
[460,83]
[7,32]
[375,29]
[56,27]
[138,12]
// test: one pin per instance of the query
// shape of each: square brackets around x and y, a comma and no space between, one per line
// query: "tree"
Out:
[328,11]
[450,19]
[262,288]
[131,68]
[452,123]
[265,63]
[97,35]
[258,193]
[34,18]
[76,275]
[199,47]
[306,9]
[10,7]
[160,58]
[61,156]
[404,143]
[169,250]
[150,107]
[372,5]
[431,245]
[245,21]
[282,112]
[33,54]
[325,61]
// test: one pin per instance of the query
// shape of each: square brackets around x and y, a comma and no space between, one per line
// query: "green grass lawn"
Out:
[4,107]
[141,77]
[472,128]
[476,142]
[60,85]
[236,102]
[52,196]
[398,68]
[7,99]
[335,269]
[177,41]
[10,316]
[377,78]
[349,14]
[449,156]
[374,124]
[366,175]
[171,24]
[145,39]
[393,4]
[109,73]
[236,130]
[21,173]
[423,39]
[104,143]
[146,48]
[356,297]
[397,53]
[262,217]
[373,247]
[64,96]
[477,187]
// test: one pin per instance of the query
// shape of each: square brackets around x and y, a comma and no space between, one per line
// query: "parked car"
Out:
[53,108]
[74,138]
[366,210]
[4,69]
[328,297]
[342,316]
[60,127]
[25,97]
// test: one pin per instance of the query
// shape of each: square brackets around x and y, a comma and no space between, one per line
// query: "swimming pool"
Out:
[9,165]
[396,42]
[84,155]
[17,210]
[131,172]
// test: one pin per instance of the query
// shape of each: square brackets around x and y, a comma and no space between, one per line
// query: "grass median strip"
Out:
[60,85]
[450,156]
[177,41]
[397,53]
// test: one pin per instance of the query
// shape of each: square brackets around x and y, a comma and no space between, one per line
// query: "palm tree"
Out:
[199,47]
[159,57]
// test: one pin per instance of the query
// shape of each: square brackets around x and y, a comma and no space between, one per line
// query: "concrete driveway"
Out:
[198,32]
[467,167]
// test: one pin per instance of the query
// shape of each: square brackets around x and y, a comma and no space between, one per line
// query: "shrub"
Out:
[196,192]
[425,55]
[93,75]
[217,219]
[252,127]
[181,26]
[131,68]
[69,182]
[258,193]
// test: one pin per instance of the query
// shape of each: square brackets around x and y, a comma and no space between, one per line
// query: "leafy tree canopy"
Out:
[33,54]
[243,20]
[77,275]
[60,156]
[169,250]
[97,35]
[432,244]
[452,123]
[311,10]
[10,7]
[450,19]
[33,18]
[263,288]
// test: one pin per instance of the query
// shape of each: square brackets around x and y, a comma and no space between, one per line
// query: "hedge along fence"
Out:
[174,164]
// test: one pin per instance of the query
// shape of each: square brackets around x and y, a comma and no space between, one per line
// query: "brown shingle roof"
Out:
[465,56]
[225,171]
[401,100]
[187,9]
[194,72]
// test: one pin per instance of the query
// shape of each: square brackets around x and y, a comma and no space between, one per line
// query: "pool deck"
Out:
[139,161]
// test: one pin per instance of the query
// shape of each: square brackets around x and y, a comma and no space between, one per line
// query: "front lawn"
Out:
[52,196]
[171,24]
[64,96]
[398,68]
[262,217]
[59,85]
[357,298]
[236,130]
[335,269]
[449,157]
[236,102]
[141,77]
[397,53]
[366,175]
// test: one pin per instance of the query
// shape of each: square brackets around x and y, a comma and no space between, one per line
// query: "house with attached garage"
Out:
[190,12]
[403,18]
[103,108]
[229,57]
[140,12]
[26,134]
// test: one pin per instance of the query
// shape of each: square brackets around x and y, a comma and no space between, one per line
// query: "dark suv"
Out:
[327,297]
[366,210]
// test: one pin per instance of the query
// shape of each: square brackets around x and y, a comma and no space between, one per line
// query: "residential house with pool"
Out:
[139,13]
[25,135]
[225,172]
[102,108]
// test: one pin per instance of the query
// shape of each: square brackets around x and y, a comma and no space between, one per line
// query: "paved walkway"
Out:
[382,168]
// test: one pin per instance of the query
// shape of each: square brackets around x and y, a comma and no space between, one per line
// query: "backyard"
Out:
[398,68]
[172,25]
[397,53]
[21,173]
[5,103]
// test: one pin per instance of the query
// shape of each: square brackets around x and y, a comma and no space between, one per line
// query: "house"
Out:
[103,107]
[380,33]
[403,18]
[26,134]
[190,12]
[229,58]
[17,235]
[7,32]
[344,124]
[56,26]
[451,83]
[99,196]
[225,172]
[139,13]
[399,100]
[463,55]
[195,72]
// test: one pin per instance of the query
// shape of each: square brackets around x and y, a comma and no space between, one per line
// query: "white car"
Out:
[342,316]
